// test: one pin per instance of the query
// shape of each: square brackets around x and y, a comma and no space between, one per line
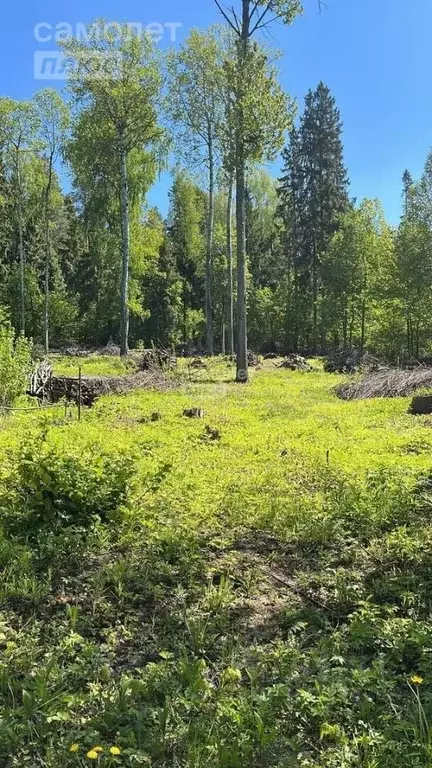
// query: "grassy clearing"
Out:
[93,365]
[256,593]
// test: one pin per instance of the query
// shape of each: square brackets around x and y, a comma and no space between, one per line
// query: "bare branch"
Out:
[267,23]
[253,11]
[227,18]
[259,24]
[236,17]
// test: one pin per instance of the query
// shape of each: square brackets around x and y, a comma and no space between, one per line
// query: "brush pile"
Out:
[386,382]
[349,361]
[154,358]
[296,363]
[54,389]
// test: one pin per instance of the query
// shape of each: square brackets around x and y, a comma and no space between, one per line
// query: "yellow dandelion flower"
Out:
[98,749]
[92,754]
[115,751]
[416,680]
[74,748]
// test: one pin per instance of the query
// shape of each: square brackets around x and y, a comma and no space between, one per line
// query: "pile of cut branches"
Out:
[350,361]
[296,363]
[386,382]
[91,388]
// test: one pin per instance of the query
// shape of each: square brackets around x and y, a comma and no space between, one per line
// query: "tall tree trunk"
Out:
[230,292]
[363,326]
[22,271]
[124,319]
[209,249]
[21,250]
[345,328]
[184,298]
[351,328]
[46,307]
[315,297]
[408,335]
[296,310]
[242,361]
[47,255]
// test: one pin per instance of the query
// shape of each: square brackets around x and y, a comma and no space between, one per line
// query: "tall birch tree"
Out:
[53,121]
[196,106]
[261,116]
[116,73]
[18,134]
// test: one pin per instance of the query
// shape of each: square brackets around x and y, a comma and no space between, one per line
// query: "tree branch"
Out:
[254,10]
[236,17]
[259,25]
[227,18]
[266,24]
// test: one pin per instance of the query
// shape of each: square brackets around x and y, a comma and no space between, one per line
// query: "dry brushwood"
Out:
[156,358]
[343,361]
[350,361]
[386,382]
[197,364]
[92,387]
[40,380]
[79,352]
[296,363]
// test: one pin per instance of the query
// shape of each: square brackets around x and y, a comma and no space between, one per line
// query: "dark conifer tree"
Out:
[313,194]
[291,201]
[325,184]
[407,194]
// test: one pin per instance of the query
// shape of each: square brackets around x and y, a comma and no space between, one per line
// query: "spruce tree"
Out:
[290,212]
[408,193]
[313,195]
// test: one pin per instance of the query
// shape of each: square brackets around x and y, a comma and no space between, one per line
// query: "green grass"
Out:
[93,365]
[255,596]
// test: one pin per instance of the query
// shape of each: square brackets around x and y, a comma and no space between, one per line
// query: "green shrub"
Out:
[52,488]
[15,364]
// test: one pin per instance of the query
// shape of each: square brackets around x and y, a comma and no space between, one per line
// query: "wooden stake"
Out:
[79,392]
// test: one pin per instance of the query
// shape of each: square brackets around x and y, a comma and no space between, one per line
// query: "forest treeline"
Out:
[84,259]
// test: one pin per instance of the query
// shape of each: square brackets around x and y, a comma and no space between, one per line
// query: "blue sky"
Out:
[375,55]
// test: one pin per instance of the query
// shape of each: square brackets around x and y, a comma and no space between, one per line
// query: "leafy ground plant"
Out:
[15,364]
[260,599]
